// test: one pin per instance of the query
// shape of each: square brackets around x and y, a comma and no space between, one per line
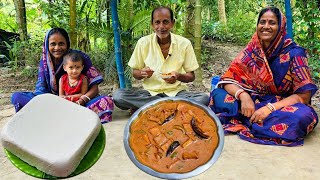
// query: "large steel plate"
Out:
[196,171]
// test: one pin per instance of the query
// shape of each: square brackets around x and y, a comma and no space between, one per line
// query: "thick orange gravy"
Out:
[173,137]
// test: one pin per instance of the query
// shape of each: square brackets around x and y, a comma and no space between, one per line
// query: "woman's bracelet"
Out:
[237,94]
[85,97]
[271,107]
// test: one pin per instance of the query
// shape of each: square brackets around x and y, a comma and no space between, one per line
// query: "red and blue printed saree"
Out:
[268,76]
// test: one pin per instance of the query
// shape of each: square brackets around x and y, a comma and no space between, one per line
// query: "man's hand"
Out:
[175,76]
[171,77]
[146,72]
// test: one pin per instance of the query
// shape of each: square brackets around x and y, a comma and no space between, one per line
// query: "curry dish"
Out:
[173,137]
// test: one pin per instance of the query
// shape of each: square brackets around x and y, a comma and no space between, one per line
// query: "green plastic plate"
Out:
[89,159]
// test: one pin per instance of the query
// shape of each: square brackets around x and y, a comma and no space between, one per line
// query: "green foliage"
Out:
[100,59]
[241,19]
[105,62]
[30,72]
[307,32]
[25,53]
[239,29]
[14,51]
[205,54]
[56,13]
[32,52]
[33,12]
[7,16]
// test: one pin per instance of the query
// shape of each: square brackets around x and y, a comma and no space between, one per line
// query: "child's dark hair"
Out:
[72,56]
[275,10]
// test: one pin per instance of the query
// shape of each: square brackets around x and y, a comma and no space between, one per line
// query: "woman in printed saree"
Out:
[265,95]
[56,45]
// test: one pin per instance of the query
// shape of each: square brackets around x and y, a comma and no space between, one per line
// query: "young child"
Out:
[73,85]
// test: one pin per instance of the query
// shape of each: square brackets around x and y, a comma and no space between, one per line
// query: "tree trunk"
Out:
[87,42]
[197,40]
[131,16]
[208,14]
[222,12]
[189,21]
[128,45]
[73,23]
[131,10]
[21,18]
[108,25]
[98,20]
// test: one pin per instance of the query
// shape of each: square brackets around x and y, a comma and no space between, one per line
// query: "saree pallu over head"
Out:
[282,69]
[48,76]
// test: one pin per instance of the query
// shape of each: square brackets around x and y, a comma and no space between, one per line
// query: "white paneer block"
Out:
[52,134]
